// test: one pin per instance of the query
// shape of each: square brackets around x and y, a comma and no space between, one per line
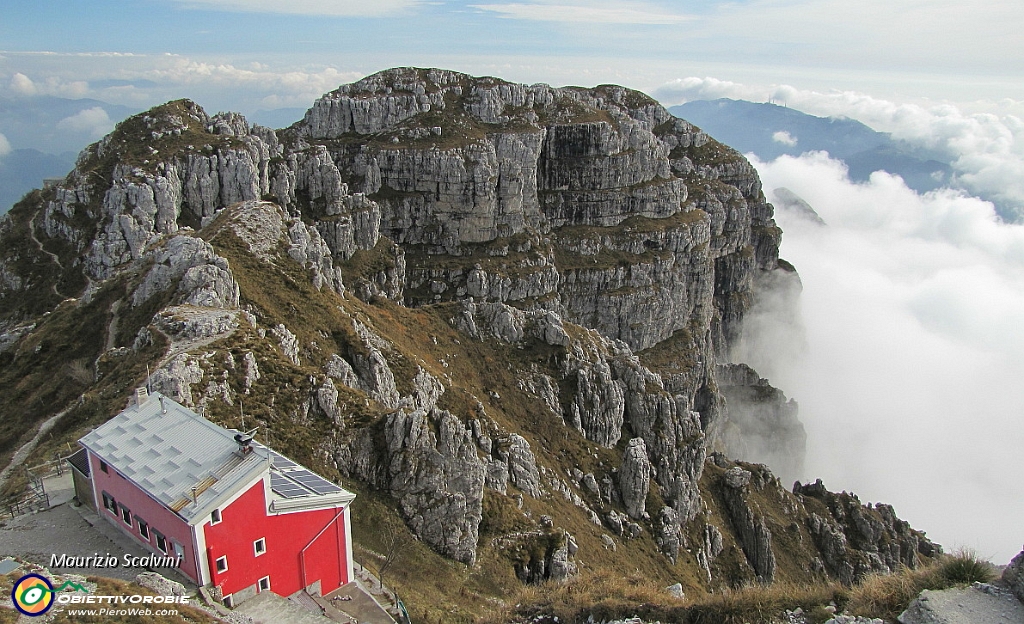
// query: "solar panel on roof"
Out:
[314,482]
[282,462]
[326,488]
[286,487]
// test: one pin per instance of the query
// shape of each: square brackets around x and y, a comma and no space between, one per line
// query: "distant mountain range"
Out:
[770,131]
[46,134]
[25,169]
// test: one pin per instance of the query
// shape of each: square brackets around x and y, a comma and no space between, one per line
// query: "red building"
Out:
[233,514]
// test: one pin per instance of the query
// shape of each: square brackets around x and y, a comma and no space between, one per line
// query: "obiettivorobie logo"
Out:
[33,594]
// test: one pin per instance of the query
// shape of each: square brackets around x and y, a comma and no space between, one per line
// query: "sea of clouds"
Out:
[909,371]
[907,358]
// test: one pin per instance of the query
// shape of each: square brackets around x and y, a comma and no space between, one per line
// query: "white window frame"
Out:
[217,561]
[259,547]
[260,584]
[229,601]
[126,516]
[110,503]
[215,517]
[160,537]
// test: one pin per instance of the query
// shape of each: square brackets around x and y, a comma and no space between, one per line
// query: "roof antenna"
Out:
[149,390]
[242,412]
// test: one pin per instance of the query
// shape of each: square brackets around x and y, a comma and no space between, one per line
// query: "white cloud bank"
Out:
[5,146]
[605,13]
[333,8]
[93,122]
[909,382]
[986,148]
[146,80]
[784,138]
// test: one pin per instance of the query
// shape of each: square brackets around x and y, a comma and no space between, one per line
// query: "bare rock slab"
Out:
[978,604]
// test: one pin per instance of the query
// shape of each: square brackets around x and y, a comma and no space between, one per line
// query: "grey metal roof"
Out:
[167,450]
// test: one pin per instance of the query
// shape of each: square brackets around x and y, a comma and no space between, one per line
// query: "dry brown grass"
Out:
[887,595]
[762,603]
[603,596]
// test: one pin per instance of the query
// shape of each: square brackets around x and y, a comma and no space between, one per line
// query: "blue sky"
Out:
[250,54]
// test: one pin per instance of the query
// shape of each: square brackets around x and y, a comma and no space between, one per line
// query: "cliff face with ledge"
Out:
[507,307]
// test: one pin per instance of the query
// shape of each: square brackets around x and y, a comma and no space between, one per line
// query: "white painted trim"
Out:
[199,544]
[325,501]
[92,482]
[348,545]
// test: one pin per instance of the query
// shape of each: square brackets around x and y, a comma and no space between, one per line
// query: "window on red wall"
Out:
[143,528]
[259,546]
[161,541]
[222,564]
[109,503]
[126,515]
[264,584]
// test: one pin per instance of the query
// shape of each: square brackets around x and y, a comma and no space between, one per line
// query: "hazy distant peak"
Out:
[788,200]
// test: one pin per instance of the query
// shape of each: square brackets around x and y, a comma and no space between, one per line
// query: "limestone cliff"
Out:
[505,309]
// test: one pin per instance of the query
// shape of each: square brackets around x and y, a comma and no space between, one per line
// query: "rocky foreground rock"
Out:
[979,604]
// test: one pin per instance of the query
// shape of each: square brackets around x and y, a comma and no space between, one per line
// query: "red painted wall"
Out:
[245,520]
[154,513]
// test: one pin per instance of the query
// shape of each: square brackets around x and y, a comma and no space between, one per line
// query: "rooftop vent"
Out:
[141,396]
[244,441]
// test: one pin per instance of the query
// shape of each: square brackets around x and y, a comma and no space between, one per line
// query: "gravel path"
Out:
[980,604]
[75,531]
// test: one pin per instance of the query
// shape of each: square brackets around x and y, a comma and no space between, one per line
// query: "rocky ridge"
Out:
[502,305]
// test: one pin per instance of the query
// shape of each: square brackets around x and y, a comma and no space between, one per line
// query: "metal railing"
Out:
[35,497]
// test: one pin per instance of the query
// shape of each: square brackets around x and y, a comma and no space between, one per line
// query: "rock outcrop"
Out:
[635,478]
[856,539]
[760,424]
[753,534]
[1013,576]
[427,458]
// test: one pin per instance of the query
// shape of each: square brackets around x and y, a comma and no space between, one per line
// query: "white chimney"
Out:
[141,396]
